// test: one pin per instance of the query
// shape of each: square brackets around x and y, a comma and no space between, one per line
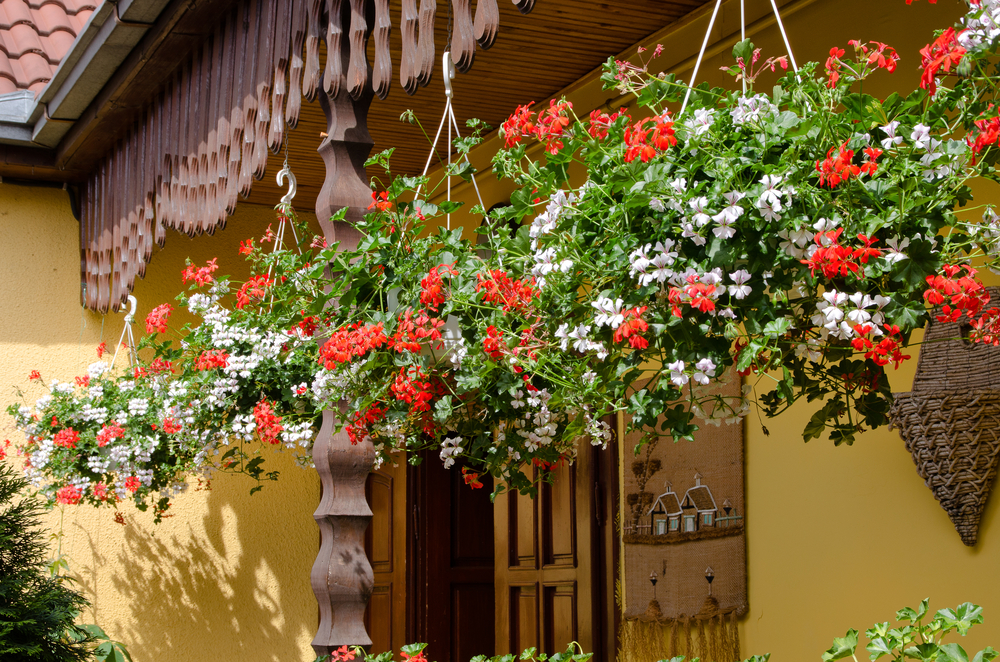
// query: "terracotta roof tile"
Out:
[58,42]
[25,40]
[35,36]
[52,17]
[34,69]
[18,12]
[8,79]
[71,6]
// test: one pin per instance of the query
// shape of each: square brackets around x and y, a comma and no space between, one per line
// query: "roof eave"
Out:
[110,34]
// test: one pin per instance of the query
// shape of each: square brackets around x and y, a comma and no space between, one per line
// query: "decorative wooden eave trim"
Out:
[202,139]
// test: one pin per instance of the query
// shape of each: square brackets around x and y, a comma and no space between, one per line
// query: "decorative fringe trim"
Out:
[713,639]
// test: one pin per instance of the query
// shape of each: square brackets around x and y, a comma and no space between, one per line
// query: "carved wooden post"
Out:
[342,576]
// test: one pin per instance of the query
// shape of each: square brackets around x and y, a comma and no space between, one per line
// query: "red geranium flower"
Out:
[69,495]
[156,320]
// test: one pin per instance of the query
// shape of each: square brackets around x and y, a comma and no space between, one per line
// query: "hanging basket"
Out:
[950,422]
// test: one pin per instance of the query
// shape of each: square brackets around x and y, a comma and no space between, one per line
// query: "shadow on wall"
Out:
[227,576]
[237,584]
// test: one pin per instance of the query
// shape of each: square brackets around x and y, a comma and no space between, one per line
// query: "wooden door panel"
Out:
[385,616]
[380,499]
[546,592]
[522,618]
[469,510]
[523,527]
[452,591]
[472,614]
[558,505]
[561,615]
[379,618]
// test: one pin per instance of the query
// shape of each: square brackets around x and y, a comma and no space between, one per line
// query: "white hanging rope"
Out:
[743,36]
[784,36]
[701,54]
[474,184]
[127,334]
[448,116]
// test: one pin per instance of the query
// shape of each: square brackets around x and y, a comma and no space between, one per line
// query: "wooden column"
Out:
[342,575]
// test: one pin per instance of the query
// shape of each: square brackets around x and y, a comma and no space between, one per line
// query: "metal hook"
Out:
[292,184]
[448,69]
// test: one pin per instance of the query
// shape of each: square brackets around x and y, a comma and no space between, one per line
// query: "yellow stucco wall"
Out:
[225,578]
[837,537]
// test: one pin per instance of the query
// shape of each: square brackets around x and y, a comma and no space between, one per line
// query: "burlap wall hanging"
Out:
[683,528]
[950,422]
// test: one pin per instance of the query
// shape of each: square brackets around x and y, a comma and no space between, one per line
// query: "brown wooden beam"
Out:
[35,163]
[342,576]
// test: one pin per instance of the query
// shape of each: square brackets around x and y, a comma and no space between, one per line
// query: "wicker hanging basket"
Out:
[950,421]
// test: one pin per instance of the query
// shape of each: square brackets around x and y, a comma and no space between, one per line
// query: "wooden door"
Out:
[385,617]
[555,560]
[451,552]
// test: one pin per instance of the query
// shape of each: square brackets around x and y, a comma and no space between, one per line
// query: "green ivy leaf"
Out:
[953,653]
[961,618]
[743,49]
[878,647]
[842,647]
[777,328]
[381,159]
[443,409]
[988,654]
[925,652]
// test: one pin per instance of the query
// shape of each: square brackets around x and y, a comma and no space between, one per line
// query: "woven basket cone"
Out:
[950,422]
[955,443]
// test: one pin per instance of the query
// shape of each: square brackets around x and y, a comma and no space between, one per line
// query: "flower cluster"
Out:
[799,237]
[798,233]
[136,433]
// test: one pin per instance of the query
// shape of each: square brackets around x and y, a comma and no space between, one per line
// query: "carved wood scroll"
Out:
[203,139]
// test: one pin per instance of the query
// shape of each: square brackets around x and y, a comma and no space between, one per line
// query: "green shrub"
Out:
[37,610]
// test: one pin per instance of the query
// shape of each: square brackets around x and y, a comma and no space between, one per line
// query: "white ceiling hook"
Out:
[130,316]
[448,68]
[292,184]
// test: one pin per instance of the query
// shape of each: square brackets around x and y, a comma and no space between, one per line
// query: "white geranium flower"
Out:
[563,334]
[921,136]
[701,122]
[678,185]
[705,370]
[579,336]
[771,211]
[740,290]
[724,229]
[609,312]
[677,375]
[891,139]
[450,447]
[639,260]
[699,207]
